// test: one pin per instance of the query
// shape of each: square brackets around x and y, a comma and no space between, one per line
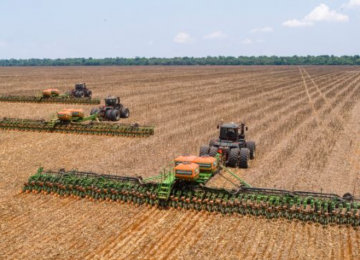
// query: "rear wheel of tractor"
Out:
[89,94]
[204,150]
[124,112]
[244,158]
[213,151]
[252,147]
[79,94]
[212,141]
[115,115]
[108,114]
[233,157]
[94,111]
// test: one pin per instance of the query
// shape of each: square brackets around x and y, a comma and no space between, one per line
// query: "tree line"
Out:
[178,61]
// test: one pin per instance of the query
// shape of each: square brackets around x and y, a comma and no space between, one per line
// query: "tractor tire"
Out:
[79,94]
[124,112]
[204,150]
[213,151]
[88,94]
[212,141]
[114,115]
[94,111]
[244,158]
[233,157]
[348,196]
[108,114]
[252,147]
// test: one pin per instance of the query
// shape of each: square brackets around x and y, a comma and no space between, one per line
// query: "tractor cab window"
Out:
[79,87]
[110,101]
[228,133]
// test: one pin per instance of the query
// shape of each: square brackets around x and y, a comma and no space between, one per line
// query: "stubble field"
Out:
[306,122]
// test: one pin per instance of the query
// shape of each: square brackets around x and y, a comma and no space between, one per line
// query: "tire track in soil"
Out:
[323,132]
[286,252]
[298,130]
[168,248]
[267,249]
[226,247]
[143,231]
[287,109]
[54,226]
[250,233]
[166,238]
[349,244]
[199,235]
[112,241]
[34,199]
[113,221]
[284,107]
[312,104]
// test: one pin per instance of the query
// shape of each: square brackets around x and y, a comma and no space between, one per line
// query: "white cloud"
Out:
[352,4]
[321,13]
[247,41]
[262,30]
[183,37]
[296,23]
[215,35]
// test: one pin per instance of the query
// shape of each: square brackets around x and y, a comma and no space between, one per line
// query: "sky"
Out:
[176,28]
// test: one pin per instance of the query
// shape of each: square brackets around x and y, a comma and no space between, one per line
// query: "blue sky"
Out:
[160,28]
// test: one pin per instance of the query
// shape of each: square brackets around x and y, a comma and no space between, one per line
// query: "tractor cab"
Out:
[112,101]
[80,86]
[232,132]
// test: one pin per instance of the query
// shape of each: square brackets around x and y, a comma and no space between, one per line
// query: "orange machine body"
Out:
[50,92]
[187,171]
[206,162]
[184,159]
[69,114]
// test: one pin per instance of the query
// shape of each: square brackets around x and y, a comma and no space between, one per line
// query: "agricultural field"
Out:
[305,120]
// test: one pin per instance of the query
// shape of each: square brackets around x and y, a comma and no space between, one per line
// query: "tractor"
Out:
[80,91]
[112,111]
[231,144]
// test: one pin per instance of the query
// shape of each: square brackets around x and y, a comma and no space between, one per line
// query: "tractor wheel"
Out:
[88,94]
[213,151]
[212,141]
[233,157]
[348,196]
[114,115]
[79,94]
[94,111]
[204,150]
[252,147]
[244,158]
[108,114]
[124,112]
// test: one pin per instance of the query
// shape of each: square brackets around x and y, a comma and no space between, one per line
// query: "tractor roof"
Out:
[230,125]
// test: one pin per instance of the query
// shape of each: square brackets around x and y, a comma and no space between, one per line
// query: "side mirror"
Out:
[217,126]
[246,128]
